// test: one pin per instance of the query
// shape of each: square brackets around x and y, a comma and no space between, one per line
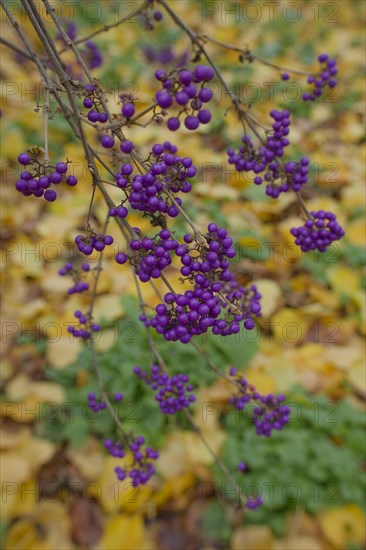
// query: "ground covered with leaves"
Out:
[59,485]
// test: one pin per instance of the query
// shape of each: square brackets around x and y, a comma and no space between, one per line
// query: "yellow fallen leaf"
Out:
[272,296]
[63,352]
[108,307]
[127,532]
[11,439]
[14,468]
[37,451]
[253,537]
[344,525]
[174,488]
[357,376]
[356,232]
[24,535]
[263,382]
[343,279]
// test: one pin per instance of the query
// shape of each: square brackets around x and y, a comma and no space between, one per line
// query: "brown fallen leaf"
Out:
[86,521]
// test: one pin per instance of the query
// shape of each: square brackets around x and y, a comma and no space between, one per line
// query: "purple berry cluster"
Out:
[173,393]
[324,79]
[188,91]
[168,173]
[183,316]
[141,469]
[87,243]
[318,232]
[79,286]
[266,162]
[269,413]
[149,256]
[93,55]
[86,328]
[242,304]
[38,179]
[207,254]
[92,102]
[95,403]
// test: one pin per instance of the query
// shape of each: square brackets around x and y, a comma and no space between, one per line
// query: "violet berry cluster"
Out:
[141,469]
[92,102]
[92,55]
[38,179]
[168,173]
[318,232]
[183,316]
[188,90]
[85,328]
[266,162]
[172,392]
[149,257]
[79,285]
[269,413]
[324,79]
[88,243]
[95,403]
[208,254]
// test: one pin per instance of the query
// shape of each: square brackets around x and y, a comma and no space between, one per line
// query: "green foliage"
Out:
[314,463]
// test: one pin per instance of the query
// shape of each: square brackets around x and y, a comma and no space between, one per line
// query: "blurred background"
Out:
[59,489]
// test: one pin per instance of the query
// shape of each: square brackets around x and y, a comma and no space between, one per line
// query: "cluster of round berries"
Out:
[325,78]
[94,56]
[168,173]
[173,395]
[141,469]
[208,255]
[95,404]
[87,243]
[69,269]
[149,257]
[269,414]
[318,232]
[180,86]
[85,329]
[91,100]
[38,181]
[266,159]
[242,304]
[185,315]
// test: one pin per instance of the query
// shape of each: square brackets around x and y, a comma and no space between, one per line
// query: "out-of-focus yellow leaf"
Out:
[357,376]
[88,459]
[23,535]
[272,295]
[63,352]
[15,468]
[344,525]
[264,383]
[343,279]
[108,307]
[11,439]
[174,488]
[125,532]
[253,537]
